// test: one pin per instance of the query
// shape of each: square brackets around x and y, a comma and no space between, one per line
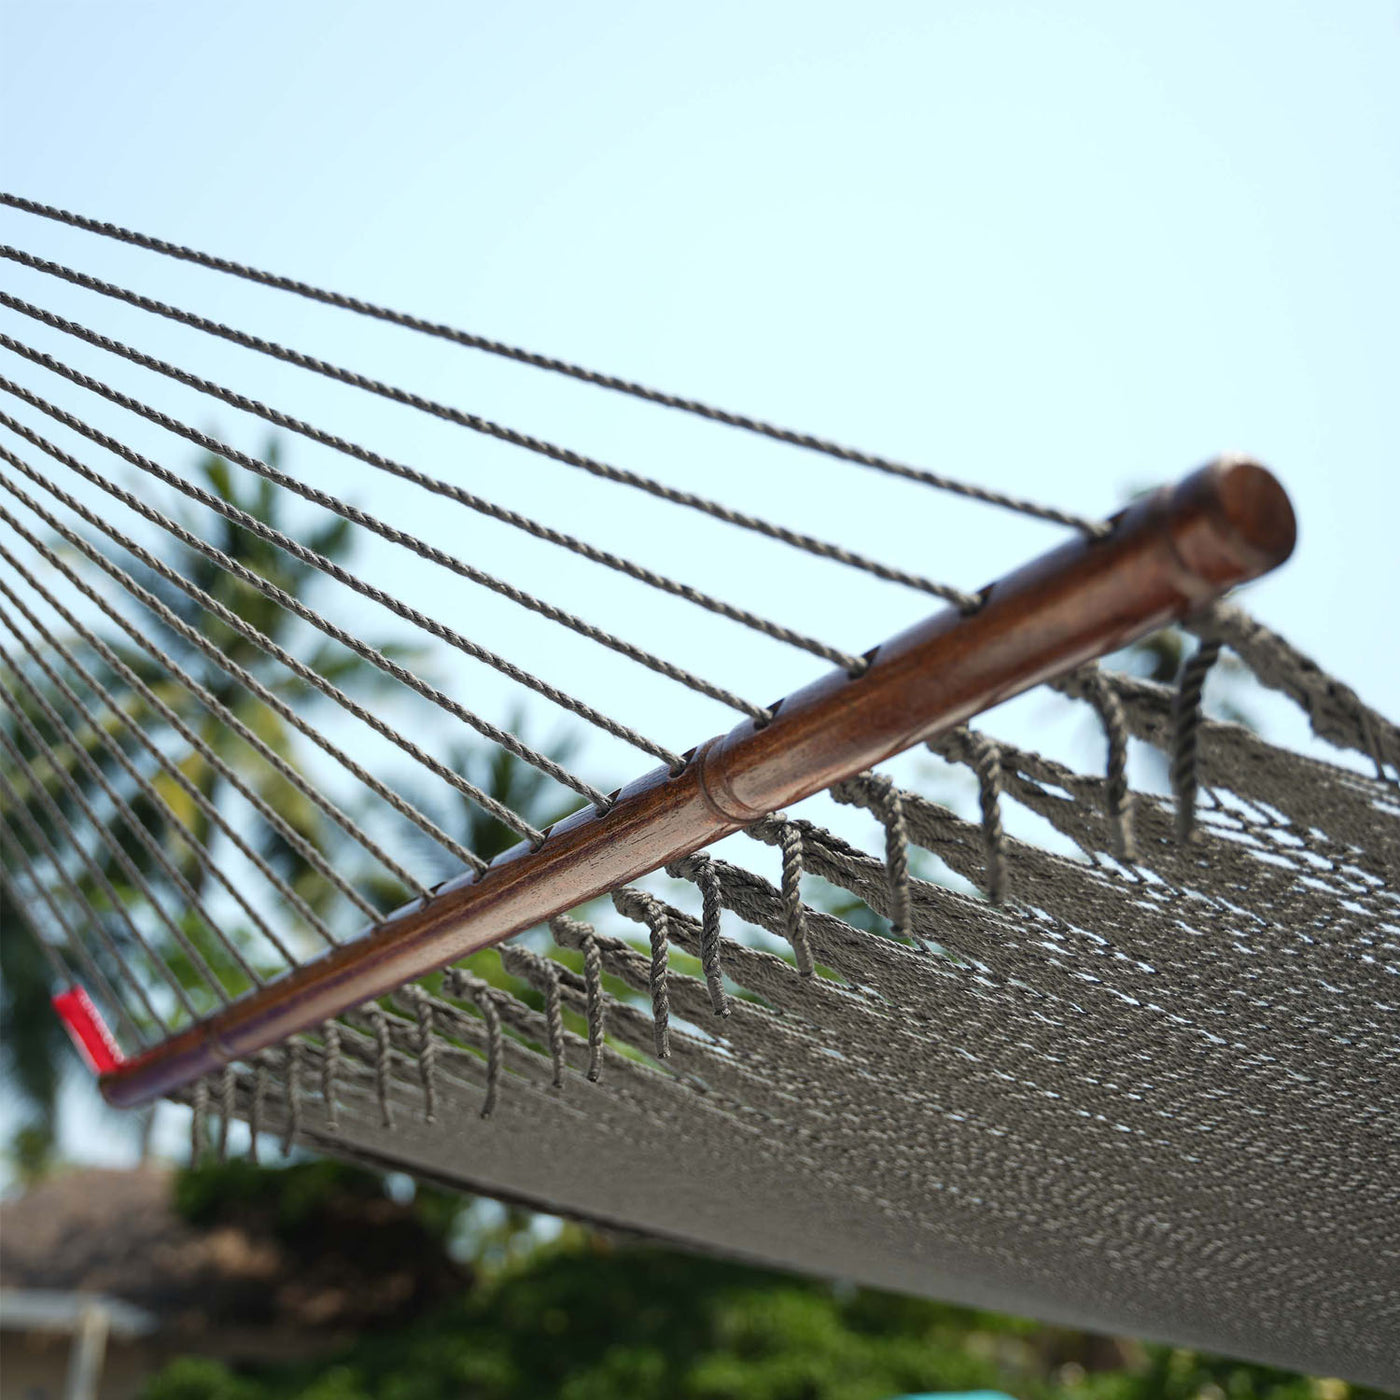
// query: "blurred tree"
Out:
[587,1317]
[35,1047]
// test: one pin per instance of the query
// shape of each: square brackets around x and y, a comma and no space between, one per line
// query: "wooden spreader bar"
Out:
[1166,556]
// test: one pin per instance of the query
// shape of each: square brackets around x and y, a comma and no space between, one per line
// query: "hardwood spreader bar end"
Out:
[1165,557]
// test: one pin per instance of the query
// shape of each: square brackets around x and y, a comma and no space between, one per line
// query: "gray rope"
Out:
[228,1092]
[111,745]
[426,1046]
[637,904]
[463,984]
[330,1068]
[876,793]
[130,869]
[554,1020]
[936,480]
[122,808]
[104,839]
[823,549]
[199,1105]
[314,857]
[1186,725]
[573,933]
[597,1005]
[984,756]
[259,1104]
[73,945]
[1105,701]
[47,852]
[57,970]
[778,830]
[543,975]
[700,869]
[308,614]
[469,499]
[891,812]
[213,652]
[382,1065]
[293,1059]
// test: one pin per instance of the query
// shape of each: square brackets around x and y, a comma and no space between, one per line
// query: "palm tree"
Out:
[117,776]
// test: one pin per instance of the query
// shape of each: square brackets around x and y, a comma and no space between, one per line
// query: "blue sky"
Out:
[1062,254]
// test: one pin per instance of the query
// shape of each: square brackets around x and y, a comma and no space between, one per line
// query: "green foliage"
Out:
[35,1049]
[583,1320]
[296,1197]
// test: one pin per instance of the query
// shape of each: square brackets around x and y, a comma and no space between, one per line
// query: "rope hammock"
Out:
[1118,1059]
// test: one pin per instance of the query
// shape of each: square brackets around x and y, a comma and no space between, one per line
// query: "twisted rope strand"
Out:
[128,866]
[308,614]
[121,807]
[1186,727]
[823,549]
[469,499]
[97,980]
[809,441]
[47,852]
[112,745]
[301,671]
[308,852]
[1109,707]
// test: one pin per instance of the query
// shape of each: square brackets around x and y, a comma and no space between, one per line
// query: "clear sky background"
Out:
[1064,255]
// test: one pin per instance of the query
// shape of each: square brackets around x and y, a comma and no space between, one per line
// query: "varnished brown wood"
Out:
[1167,555]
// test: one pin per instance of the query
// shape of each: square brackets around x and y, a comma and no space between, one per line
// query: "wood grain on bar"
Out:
[1167,555]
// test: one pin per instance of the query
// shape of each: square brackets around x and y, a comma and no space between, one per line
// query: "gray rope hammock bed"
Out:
[1138,1074]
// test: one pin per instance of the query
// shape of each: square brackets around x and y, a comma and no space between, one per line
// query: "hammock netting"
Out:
[1118,1059]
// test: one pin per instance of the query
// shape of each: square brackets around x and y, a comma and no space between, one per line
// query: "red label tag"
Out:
[87,1030]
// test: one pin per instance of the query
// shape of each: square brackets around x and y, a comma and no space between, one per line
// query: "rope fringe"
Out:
[382,1065]
[330,1069]
[295,1059]
[1101,695]
[1186,727]
[199,1120]
[637,904]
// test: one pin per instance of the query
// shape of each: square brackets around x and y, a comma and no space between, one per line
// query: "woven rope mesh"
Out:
[983,1024]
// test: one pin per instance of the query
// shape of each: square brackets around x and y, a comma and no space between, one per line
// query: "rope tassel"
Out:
[700,870]
[1186,728]
[1106,703]
[330,1069]
[574,933]
[468,988]
[636,904]
[427,1049]
[985,757]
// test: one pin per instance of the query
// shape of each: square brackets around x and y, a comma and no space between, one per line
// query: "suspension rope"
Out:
[469,499]
[171,768]
[468,789]
[122,807]
[809,441]
[224,769]
[604,471]
[71,838]
[40,839]
[211,650]
[73,945]
[323,624]
[394,536]
[113,746]
[128,866]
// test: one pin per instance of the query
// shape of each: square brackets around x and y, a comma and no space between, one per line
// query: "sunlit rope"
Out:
[628,567]
[936,480]
[823,549]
